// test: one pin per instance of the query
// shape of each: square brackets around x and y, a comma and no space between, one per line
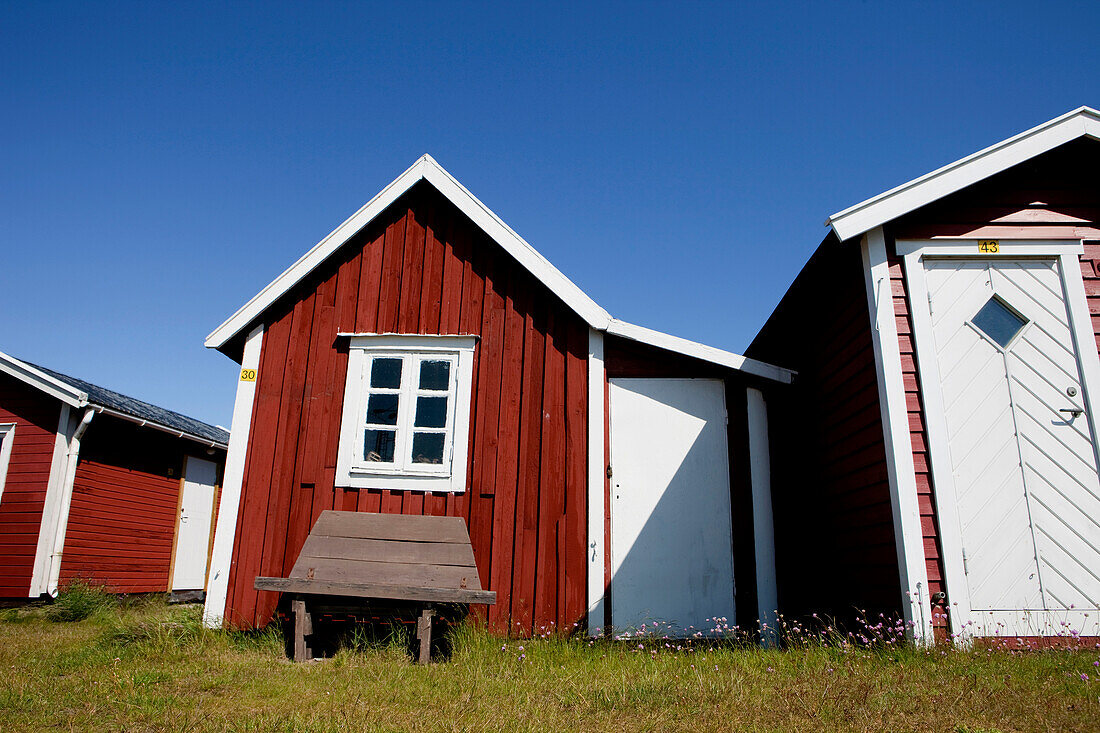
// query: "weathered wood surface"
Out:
[391,556]
[375,590]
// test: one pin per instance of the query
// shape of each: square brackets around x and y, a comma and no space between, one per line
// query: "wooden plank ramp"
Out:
[422,560]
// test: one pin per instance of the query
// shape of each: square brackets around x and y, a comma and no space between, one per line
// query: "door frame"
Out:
[179,517]
[913,252]
[611,500]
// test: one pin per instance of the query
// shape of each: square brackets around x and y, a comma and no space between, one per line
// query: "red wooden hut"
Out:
[425,359]
[942,433]
[124,500]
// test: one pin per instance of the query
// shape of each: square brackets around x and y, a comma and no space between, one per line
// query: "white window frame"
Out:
[7,437]
[351,470]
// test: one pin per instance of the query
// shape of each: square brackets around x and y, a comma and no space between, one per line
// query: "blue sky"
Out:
[160,163]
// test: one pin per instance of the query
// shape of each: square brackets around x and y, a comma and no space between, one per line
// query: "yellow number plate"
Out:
[989,246]
[248,375]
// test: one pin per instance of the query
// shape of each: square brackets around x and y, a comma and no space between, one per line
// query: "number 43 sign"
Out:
[989,246]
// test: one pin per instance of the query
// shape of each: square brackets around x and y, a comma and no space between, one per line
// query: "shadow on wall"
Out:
[671,538]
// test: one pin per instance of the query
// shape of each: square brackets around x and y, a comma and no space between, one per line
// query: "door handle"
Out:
[1074,412]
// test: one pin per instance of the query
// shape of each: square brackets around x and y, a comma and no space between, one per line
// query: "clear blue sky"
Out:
[160,163]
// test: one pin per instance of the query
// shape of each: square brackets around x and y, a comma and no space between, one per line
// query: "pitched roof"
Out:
[878,210]
[426,169]
[79,393]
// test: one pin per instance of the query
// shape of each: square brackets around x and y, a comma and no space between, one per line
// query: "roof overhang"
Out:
[40,380]
[699,351]
[73,397]
[874,212]
[424,169]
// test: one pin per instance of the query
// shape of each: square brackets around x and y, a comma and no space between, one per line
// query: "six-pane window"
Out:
[406,412]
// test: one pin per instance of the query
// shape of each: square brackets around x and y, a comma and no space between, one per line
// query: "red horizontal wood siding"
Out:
[835,548]
[1053,196]
[35,415]
[123,514]
[423,267]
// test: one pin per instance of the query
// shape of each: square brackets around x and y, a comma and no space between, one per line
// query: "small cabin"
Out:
[940,451]
[103,488]
[424,359]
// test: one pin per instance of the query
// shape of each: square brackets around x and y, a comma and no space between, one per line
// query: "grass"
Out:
[145,666]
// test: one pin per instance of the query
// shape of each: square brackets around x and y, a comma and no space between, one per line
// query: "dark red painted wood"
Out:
[422,267]
[122,519]
[835,548]
[35,416]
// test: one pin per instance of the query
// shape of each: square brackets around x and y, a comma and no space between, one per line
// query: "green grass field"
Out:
[145,666]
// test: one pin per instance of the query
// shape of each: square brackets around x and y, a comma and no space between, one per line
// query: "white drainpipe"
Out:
[71,458]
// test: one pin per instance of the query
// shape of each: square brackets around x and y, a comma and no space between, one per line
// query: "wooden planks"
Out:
[35,416]
[124,508]
[375,590]
[422,267]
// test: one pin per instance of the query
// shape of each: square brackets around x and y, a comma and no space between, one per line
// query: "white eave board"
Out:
[423,169]
[38,379]
[876,211]
[698,351]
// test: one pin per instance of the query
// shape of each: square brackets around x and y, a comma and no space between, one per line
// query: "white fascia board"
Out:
[699,351]
[423,169]
[876,211]
[42,381]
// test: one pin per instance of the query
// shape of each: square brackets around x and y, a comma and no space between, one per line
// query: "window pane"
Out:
[385,373]
[382,409]
[427,448]
[435,375]
[998,322]
[431,412]
[378,445]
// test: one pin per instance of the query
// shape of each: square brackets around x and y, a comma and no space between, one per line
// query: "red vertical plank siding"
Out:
[834,537]
[504,521]
[35,416]
[1053,196]
[422,267]
[525,542]
[122,518]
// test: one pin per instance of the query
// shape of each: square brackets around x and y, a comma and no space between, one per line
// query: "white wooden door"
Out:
[1024,465]
[671,536]
[193,527]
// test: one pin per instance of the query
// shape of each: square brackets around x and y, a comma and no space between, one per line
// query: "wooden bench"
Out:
[423,561]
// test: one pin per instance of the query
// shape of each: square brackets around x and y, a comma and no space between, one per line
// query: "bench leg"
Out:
[303,627]
[424,633]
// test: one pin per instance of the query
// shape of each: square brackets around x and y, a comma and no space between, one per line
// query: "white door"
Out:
[193,529]
[1022,457]
[671,536]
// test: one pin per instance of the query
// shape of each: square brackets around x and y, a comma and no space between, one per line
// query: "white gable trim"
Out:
[36,378]
[423,169]
[876,211]
[698,351]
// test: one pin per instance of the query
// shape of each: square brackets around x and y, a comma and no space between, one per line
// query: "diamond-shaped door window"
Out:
[999,322]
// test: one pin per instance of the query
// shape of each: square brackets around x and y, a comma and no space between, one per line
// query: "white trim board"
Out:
[26,373]
[221,554]
[699,351]
[763,527]
[878,210]
[936,430]
[7,437]
[597,467]
[901,473]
